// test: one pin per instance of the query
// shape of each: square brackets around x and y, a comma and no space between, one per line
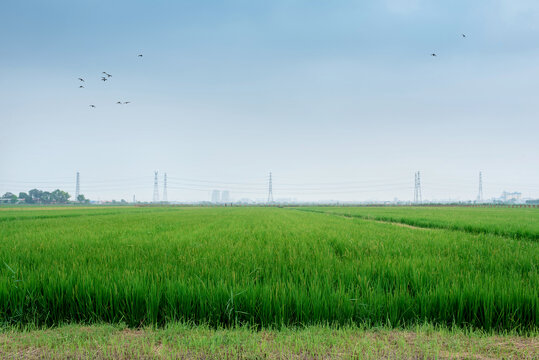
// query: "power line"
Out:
[206,190]
[260,186]
[297,187]
[217,182]
[264,186]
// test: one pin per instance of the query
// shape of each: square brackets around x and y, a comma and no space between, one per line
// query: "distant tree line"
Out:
[36,196]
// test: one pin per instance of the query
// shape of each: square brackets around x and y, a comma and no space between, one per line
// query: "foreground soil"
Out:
[180,341]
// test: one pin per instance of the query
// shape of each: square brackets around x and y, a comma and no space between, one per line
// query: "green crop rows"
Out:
[269,267]
[504,221]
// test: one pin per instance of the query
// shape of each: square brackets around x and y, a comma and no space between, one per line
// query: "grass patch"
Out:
[183,341]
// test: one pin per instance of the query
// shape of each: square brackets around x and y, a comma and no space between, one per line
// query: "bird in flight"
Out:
[106,73]
[118,102]
[127,102]
[92,106]
[139,55]
[104,78]
[433,54]
[81,87]
[81,79]
[463,35]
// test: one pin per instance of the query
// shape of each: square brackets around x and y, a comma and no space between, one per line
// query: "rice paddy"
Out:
[518,222]
[269,267]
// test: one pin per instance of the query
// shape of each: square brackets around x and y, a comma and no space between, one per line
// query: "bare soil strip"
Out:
[398,224]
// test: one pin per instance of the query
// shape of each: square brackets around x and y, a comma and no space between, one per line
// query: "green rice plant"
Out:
[504,221]
[267,267]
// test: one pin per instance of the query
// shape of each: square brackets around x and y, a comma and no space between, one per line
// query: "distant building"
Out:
[215,196]
[225,196]
[511,197]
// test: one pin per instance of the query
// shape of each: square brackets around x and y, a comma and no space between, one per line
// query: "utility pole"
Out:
[155,189]
[165,189]
[77,187]
[480,193]
[270,190]
[417,188]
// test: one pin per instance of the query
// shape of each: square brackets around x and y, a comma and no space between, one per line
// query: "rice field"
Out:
[504,221]
[267,267]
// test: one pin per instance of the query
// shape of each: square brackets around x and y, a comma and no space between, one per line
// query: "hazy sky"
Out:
[339,99]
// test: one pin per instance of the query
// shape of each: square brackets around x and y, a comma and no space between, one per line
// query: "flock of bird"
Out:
[105,78]
[434,54]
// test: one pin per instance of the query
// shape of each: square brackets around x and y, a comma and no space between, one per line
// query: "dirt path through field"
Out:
[398,224]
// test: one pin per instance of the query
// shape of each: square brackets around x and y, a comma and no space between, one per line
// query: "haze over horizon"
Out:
[339,100]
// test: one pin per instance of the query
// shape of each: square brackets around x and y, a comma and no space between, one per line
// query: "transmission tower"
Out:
[417,188]
[134,199]
[480,193]
[155,188]
[270,190]
[77,187]
[165,188]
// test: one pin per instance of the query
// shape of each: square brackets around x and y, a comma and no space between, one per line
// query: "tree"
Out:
[35,195]
[12,197]
[59,196]
[25,197]
[7,195]
[82,199]
[46,197]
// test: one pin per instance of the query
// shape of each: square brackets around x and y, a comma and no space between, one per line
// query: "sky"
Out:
[340,100]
